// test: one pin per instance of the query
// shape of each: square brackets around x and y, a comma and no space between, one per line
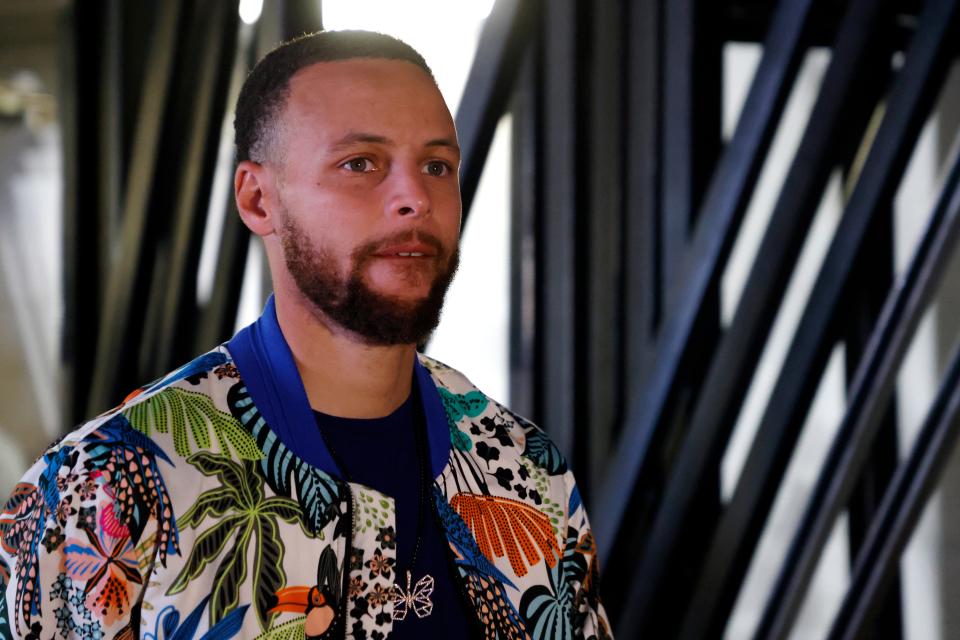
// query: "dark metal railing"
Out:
[869,395]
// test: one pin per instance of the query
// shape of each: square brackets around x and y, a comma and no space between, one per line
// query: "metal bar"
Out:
[871,281]
[191,93]
[91,191]
[746,21]
[642,291]
[524,203]
[213,57]
[110,142]
[677,188]
[691,79]
[902,507]
[642,288]
[118,338]
[77,272]
[739,529]
[556,224]
[139,19]
[729,371]
[493,73]
[602,245]
[872,387]
[723,208]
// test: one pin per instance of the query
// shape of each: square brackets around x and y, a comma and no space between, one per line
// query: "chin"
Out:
[402,291]
[403,298]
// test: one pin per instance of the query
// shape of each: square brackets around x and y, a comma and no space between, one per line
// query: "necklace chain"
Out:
[417,597]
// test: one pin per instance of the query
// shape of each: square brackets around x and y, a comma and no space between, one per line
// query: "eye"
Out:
[359,165]
[436,168]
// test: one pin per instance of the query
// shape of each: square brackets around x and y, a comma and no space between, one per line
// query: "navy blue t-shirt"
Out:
[381,453]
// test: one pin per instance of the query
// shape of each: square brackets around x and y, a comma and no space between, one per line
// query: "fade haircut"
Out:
[265,91]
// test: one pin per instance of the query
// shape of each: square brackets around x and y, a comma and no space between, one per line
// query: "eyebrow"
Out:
[358,137]
[443,142]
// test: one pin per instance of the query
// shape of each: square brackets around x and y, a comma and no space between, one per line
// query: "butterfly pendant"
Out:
[417,598]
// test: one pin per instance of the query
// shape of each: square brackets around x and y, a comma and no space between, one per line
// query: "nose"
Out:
[409,195]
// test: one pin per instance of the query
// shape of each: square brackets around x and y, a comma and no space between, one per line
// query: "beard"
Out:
[375,318]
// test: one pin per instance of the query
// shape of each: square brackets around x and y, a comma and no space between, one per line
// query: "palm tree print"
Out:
[242,514]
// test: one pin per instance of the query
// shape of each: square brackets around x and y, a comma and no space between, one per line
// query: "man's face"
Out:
[370,196]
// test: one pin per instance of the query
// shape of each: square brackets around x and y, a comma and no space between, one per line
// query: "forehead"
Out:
[375,95]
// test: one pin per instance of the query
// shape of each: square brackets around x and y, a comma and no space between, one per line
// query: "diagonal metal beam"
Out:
[869,396]
[505,35]
[737,534]
[723,209]
[729,371]
[691,79]
[902,507]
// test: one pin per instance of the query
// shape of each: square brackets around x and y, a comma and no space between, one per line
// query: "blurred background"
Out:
[709,245]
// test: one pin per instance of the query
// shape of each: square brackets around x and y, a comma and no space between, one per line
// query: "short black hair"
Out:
[264,93]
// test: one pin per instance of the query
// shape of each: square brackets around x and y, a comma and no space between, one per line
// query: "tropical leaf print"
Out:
[484,583]
[457,406]
[542,452]
[4,614]
[268,563]
[291,630]
[129,460]
[21,527]
[169,627]
[328,574]
[504,526]
[549,609]
[243,515]
[198,367]
[191,415]
[371,510]
[318,494]
[109,566]
[22,524]
[589,591]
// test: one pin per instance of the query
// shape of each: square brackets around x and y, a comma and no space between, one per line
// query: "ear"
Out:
[253,190]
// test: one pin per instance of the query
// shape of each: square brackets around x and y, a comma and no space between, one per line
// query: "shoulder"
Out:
[481,424]
[125,455]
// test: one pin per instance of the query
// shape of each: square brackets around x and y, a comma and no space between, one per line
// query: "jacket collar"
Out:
[263,357]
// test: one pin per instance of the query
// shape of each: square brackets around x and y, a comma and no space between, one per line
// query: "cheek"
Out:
[447,213]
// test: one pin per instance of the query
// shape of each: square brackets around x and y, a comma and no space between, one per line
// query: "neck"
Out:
[343,376]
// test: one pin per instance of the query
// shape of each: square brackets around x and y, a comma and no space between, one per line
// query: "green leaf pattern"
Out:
[243,513]
[318,494]
[470,404]
[292,630]
[373,510]
[552,509]
[190,415]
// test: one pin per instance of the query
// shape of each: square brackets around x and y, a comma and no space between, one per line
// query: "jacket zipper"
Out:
[347,559]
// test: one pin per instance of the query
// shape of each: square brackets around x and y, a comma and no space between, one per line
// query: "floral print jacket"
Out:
[182,514]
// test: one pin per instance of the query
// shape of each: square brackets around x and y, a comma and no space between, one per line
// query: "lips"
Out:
[407,250]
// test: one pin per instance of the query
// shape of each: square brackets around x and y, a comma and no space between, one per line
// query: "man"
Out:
[315,477]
